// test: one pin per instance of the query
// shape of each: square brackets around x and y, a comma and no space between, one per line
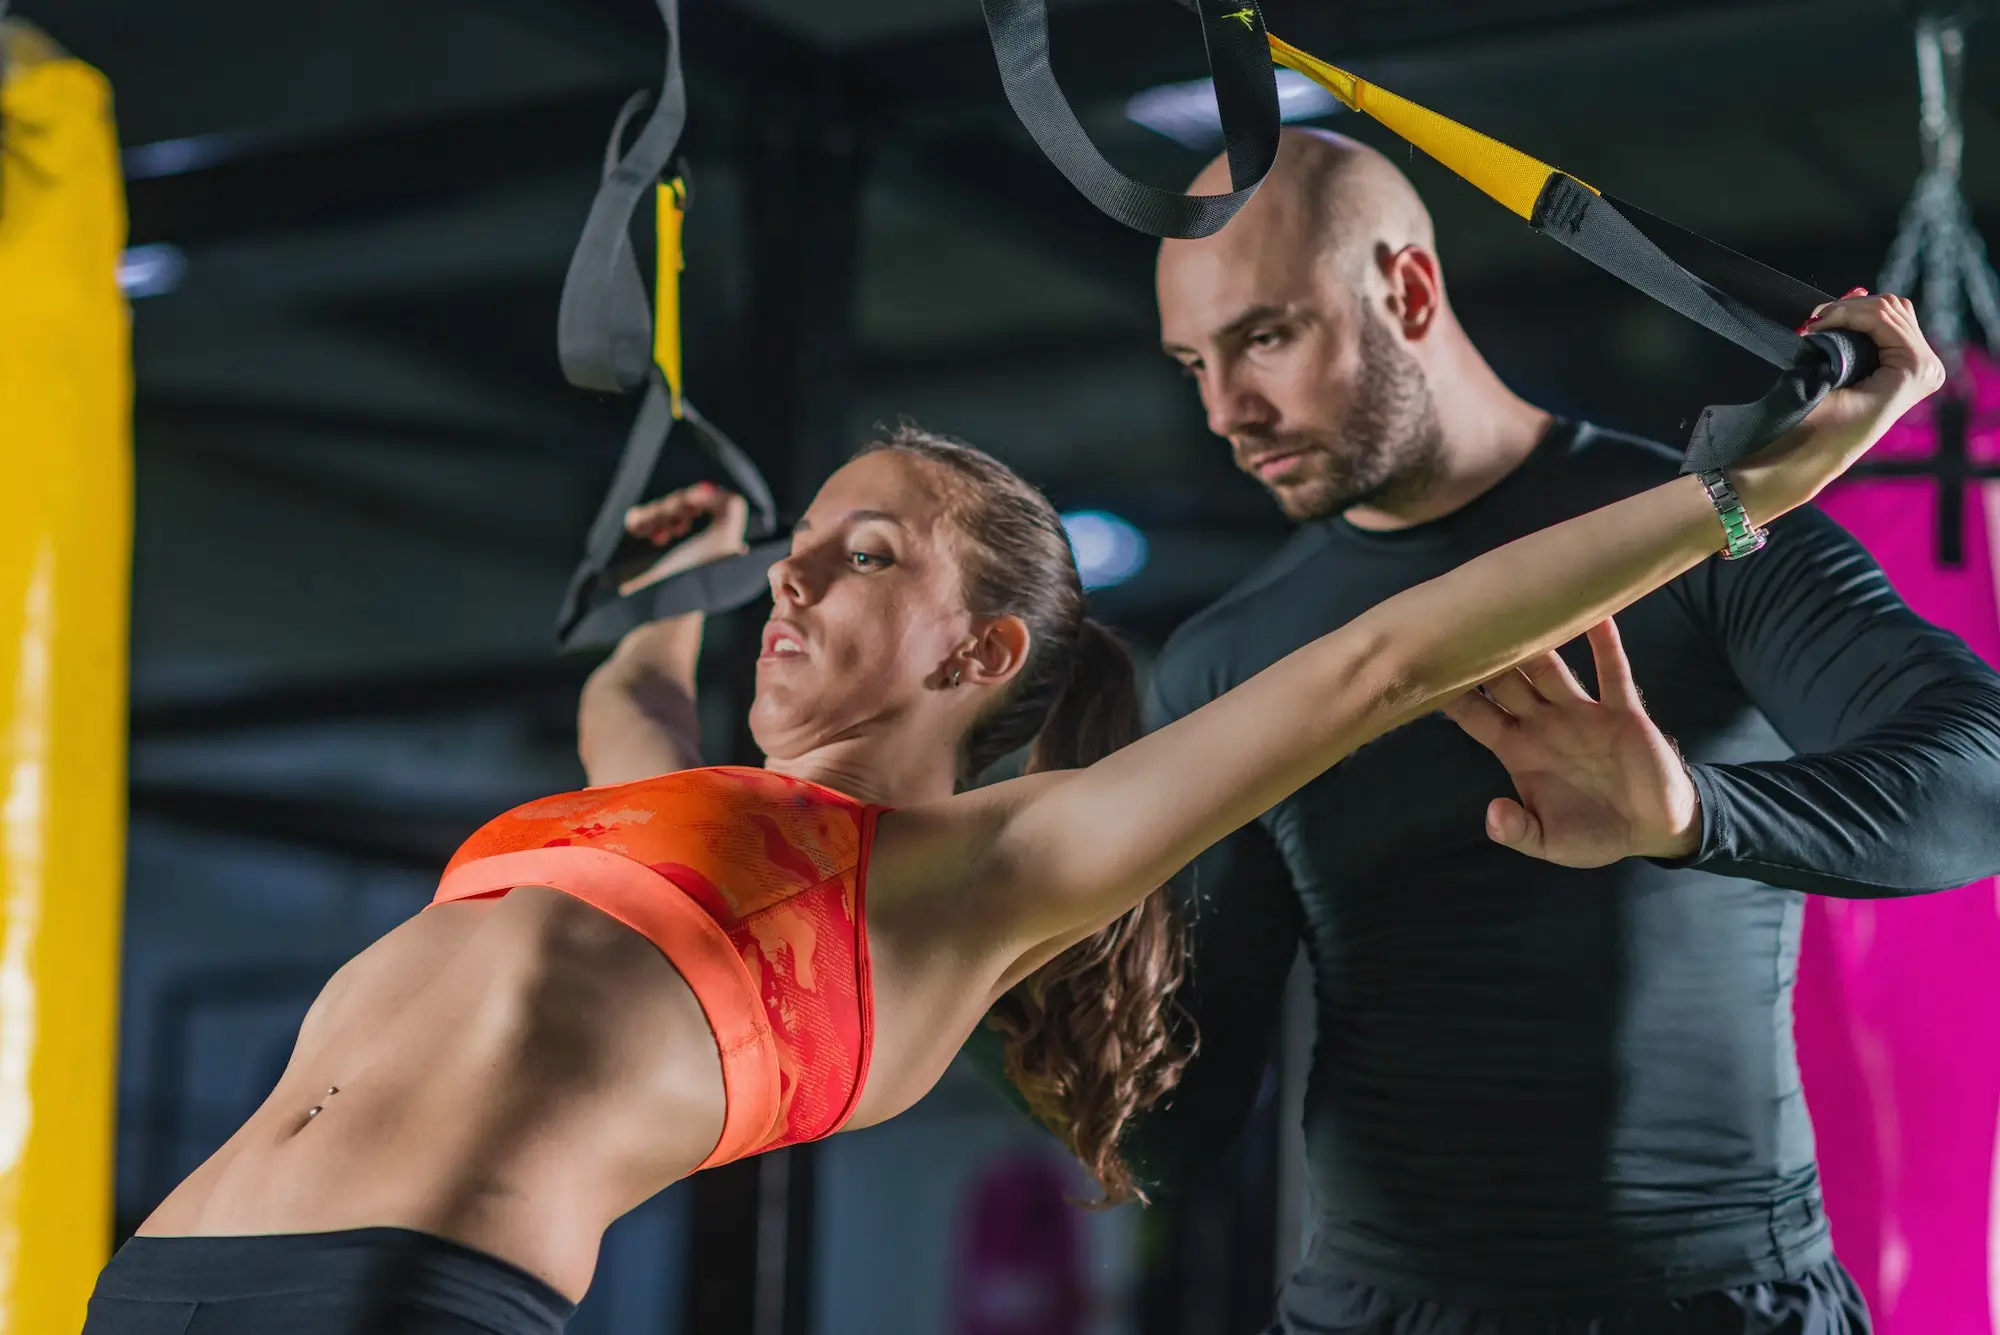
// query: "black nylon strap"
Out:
[593,612]
[1725,433]
[1775,295]
[604,326]
[604,338]
[731,582]
[1246,94]
[1753,306]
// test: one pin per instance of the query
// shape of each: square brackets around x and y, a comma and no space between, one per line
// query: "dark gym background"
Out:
[362,479]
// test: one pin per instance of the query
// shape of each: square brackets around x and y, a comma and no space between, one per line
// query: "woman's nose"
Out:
[788,580]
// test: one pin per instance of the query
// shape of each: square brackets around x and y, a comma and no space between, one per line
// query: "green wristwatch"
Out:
[1744,537]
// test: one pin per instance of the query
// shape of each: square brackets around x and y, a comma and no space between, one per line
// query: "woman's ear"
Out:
[994,653]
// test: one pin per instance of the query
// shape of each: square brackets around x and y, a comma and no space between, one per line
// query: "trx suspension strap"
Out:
[1246,95]
[1753,306]
[611,338]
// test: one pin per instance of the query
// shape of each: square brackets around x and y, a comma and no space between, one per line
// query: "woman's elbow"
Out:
[1395,678]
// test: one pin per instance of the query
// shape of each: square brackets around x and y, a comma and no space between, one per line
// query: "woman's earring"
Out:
[954,676]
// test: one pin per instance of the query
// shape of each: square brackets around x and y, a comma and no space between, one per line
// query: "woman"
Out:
[618,987]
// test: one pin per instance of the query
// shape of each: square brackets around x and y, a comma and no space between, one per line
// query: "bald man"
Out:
[1554,1086]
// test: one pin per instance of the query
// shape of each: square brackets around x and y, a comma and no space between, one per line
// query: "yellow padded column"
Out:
[65,541]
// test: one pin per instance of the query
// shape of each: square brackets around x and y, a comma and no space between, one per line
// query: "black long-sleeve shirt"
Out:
[1532,1082]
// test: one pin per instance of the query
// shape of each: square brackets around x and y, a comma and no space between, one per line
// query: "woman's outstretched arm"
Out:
[636,717]
[1062,854]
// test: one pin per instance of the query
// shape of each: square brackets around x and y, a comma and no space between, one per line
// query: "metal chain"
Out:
[1935,241]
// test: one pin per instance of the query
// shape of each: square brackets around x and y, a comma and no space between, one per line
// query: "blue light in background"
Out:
[151,271]
[1186,114]
[176,157]
[1108,549]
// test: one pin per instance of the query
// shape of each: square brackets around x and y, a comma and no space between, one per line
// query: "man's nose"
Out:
[1236,408]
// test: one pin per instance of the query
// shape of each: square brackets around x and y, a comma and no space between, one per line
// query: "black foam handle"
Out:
[1852,356]
[1725,433]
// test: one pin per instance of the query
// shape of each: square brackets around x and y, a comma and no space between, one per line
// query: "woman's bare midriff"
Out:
[510,1073]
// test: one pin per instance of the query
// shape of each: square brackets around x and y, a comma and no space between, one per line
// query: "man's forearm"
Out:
[1895,788]
[1911,807]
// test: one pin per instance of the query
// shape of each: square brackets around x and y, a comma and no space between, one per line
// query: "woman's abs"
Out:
[511,1073]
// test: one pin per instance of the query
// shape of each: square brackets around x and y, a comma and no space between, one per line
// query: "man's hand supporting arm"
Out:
[1896,787]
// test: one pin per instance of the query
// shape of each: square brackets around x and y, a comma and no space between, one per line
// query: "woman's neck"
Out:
[874,773]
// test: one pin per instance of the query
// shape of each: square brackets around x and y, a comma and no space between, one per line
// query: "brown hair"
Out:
[1092,1037]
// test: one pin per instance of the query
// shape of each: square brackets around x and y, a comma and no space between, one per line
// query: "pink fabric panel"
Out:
[1898,1001]
[1021,1251]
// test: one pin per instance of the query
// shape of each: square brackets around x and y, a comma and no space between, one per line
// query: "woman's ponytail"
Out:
[1093,1037]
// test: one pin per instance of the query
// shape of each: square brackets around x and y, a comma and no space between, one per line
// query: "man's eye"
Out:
[1266,338]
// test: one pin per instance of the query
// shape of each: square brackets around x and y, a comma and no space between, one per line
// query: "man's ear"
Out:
[1415,289]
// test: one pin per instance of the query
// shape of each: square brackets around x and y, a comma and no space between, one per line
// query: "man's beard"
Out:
[1385,450]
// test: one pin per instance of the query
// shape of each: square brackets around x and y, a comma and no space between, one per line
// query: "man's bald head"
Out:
[1329,200]
[1308,324]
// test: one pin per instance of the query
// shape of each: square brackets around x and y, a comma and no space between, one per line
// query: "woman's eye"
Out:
[867,560]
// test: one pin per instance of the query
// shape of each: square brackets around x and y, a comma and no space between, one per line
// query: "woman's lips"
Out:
[782,640]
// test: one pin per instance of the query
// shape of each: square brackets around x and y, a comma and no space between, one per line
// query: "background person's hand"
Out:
[670,519]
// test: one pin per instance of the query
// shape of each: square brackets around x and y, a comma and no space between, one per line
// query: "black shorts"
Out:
[1822,1301]
[364,1281]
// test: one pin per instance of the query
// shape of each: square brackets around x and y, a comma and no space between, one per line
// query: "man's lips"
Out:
[1275,464]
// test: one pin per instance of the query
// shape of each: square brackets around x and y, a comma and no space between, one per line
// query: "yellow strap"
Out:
[1506,173]
[65,534]
[671,197]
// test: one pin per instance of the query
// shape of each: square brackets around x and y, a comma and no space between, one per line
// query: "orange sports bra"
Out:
[753,885]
